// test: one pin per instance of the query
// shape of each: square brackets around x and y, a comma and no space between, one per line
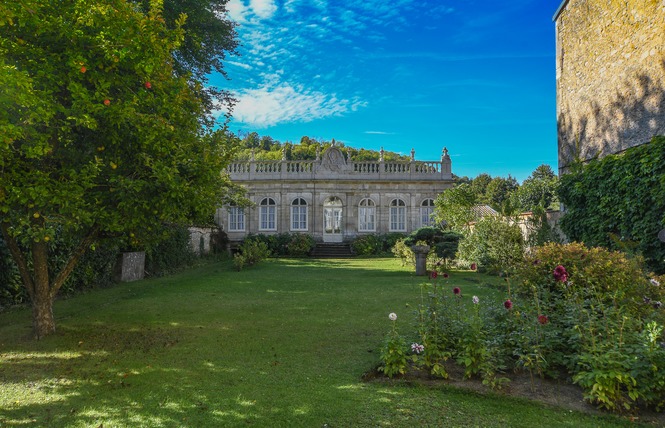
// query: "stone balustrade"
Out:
[362,170]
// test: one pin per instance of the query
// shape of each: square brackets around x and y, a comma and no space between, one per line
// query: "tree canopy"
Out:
[100,136]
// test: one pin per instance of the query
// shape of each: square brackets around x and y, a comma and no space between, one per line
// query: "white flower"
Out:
[417,348]
[654,282]
[475,300]
[392,316]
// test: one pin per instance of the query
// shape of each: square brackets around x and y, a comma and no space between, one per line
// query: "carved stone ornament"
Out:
[333,159]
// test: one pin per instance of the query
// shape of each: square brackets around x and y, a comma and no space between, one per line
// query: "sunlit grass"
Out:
[280,345]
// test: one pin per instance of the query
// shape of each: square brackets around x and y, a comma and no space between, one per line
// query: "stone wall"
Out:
[610,68]
[199,239]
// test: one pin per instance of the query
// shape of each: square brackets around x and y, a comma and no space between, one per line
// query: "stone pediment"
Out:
[333,160]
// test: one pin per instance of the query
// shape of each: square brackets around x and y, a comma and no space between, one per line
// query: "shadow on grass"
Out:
[114,376]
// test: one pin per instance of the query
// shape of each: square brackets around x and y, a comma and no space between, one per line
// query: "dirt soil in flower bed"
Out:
[554,392]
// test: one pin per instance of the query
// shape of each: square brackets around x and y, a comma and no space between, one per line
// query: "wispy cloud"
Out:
[283,102]
[281,45]
[379,133]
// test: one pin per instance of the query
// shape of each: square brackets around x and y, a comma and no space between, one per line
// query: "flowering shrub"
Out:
[600,318]
[589,313]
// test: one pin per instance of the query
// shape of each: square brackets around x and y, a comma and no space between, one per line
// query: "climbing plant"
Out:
[618,202]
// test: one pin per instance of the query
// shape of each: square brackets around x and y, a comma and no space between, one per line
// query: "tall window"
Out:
[236,219]
[397,215]
[267,214]
[299,214]
[366,216]
[426,210]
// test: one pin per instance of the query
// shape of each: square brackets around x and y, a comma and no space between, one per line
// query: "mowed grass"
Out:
[283,344]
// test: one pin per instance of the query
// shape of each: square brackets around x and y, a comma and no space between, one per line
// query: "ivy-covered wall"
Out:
[618,202]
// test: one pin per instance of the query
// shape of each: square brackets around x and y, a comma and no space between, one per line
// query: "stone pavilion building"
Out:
[333,198]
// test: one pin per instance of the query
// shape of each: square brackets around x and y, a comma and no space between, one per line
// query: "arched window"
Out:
[366,216]
[397,215]
[236,219]
[426,211]
[267,214]
[299,214]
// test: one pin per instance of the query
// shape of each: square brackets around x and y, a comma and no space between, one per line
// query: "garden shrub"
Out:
[250,252]
[403,252]
[619,196]
[12,291]
[299,245]
[444,243]
[375,244]
[171,253]
[285,244]
[94,269]
[494,244]
[367,245]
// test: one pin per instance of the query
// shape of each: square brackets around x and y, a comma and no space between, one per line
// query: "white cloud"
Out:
[273,104]
[237,10]
[240,64]
[379,133]
[264,9]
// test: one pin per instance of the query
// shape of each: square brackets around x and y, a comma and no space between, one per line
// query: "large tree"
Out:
[455,208]
[538,190]
[99,134]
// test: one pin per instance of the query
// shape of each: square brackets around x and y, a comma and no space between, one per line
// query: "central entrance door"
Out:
[333,215]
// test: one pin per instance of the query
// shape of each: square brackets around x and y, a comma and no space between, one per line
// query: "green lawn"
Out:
[282,344]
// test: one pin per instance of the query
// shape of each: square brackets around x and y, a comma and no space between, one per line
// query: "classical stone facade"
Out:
[335,199]
[610,76]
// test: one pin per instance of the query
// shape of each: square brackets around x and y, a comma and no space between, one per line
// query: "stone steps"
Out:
[328,250]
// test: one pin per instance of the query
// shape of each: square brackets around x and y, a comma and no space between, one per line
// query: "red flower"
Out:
[83,69]
[445,275]
[433,274]
[474,266]
[457,290]
[560,274]
[543,319]
[147,85]
[508,304]
[107,102]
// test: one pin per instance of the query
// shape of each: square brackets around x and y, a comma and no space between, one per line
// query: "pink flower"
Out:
[445,275]
[560,274]
[475,300]
[543,319]
[433,274]
[508,304]
[456,290]
[474,266]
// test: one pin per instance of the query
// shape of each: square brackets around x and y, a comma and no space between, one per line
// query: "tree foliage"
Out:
[100,136]
[495,244]
[454,207]
[208,38]
[538,190]
[266,148]
[619,202]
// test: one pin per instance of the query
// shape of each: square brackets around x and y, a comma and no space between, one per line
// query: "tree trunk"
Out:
[43,323]
[42,301]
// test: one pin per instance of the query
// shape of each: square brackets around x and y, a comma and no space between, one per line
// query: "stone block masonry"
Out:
[610,76]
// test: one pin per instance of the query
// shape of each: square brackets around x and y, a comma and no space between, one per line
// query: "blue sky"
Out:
[475,76]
